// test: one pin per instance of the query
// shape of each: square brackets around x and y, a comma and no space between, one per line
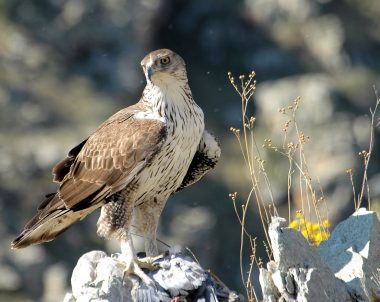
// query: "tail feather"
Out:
[52,219]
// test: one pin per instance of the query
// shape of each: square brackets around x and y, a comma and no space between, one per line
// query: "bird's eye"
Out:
[165,60]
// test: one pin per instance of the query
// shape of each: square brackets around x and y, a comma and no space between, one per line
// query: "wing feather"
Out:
[63,167]
[111,158]
[103,164]
[205,158]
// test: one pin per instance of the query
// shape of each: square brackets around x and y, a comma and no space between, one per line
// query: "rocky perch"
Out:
[343,268]
[98,277]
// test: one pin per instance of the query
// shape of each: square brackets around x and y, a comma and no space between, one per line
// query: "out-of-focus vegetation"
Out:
[65,66]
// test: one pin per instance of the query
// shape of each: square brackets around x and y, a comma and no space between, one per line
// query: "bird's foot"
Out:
[132,266]
[149,262]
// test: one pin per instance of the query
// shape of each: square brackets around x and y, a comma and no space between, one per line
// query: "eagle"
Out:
[130,165]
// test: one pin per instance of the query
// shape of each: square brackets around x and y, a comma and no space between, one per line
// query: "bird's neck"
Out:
[168,100]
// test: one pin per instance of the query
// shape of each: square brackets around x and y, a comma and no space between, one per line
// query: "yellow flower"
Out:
[318,239]
[325,223]
[316,227]
[309,226]
[294,224]
[314,232]
[304,233]
[321,236]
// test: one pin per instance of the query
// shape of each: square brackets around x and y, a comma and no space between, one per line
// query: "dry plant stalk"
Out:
[294,151]
[366,158]
[257,175]
[293,148]
[312,203]
[358,199]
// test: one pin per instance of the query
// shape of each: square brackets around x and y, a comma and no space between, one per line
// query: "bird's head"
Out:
[163,66]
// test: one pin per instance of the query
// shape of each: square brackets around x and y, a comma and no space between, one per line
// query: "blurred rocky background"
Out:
[66,65]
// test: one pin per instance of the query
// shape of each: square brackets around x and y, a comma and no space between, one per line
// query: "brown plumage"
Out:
[132,163]
[102,165]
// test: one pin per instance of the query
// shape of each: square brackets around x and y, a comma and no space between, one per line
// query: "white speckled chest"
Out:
[185,125]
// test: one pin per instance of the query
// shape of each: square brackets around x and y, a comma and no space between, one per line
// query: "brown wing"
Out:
[110,159]
[63,167]
[106,162]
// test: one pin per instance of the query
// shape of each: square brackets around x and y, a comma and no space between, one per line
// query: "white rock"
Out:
[301,273]
[69,297]
[352,253]
[278,280]
[344,268]
[99,278]
[269,290]
[96,277]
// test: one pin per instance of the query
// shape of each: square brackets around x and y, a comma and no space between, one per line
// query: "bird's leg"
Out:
[151,248]
[148,217]
[151,252]
[131,264]
[128,255]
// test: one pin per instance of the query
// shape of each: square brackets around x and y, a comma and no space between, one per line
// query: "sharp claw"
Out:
[148,265]
[148,262]
[132,266]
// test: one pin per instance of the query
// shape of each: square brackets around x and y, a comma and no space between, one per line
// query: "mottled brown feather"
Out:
[127,144]
[98,167]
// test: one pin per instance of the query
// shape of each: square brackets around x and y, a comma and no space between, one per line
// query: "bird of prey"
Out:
[131,164]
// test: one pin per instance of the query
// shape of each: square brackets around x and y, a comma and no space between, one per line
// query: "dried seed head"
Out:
[364,153]
[292,146]
[350,171]
[303,138]
[267,143]
[233,195]
[296,102]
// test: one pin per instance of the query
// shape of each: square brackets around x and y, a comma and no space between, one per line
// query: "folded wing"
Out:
[108,161]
